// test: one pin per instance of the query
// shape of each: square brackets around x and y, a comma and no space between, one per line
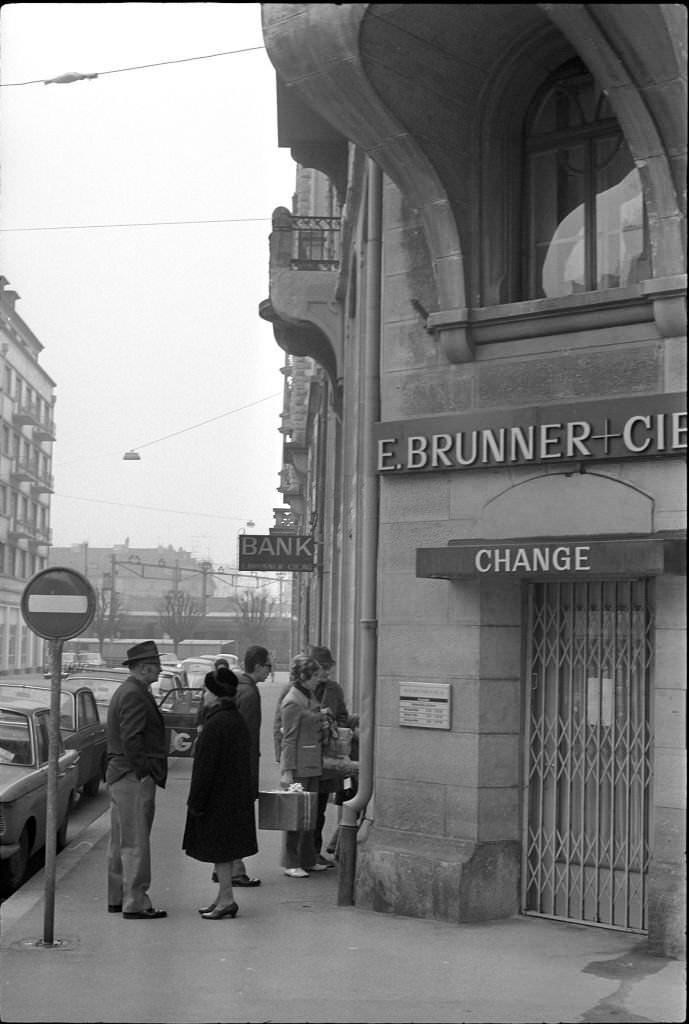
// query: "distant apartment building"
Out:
[27,401]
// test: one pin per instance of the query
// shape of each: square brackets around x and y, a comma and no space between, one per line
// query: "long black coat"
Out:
[220,825]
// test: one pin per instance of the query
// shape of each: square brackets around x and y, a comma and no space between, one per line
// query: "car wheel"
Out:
[16,864]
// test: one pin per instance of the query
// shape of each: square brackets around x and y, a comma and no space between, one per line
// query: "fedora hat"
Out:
[142,652]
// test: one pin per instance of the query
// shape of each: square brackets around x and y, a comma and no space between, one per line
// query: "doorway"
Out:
[589,658]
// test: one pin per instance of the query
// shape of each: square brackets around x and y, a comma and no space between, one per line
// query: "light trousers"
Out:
[132,807]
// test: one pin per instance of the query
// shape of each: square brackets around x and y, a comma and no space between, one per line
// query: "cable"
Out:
[148,508]
[184,430]
[136,67]
[142,224]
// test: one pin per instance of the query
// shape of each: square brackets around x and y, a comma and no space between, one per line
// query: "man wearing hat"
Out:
[137,763]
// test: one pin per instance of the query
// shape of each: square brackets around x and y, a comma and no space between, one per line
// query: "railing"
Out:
[315,242]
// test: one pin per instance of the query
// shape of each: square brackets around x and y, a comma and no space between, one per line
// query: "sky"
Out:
[148,330]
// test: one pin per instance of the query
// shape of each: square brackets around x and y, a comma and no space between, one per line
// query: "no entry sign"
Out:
[58,603]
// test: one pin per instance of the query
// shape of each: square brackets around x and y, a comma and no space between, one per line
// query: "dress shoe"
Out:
[320,867]
[114,908]
[325,861]
[207,910]
[244,882]
[217,913]
[296,872]
[144,915]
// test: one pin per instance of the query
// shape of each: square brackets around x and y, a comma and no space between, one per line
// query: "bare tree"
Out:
[107,616]
[179,616]
[255,609]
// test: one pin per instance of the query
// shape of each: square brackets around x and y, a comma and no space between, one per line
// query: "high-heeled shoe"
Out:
[219,912]
[207,910]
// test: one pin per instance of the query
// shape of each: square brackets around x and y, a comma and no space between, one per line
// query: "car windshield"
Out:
[15,738]
[42,693]
[103,689]
[181,701]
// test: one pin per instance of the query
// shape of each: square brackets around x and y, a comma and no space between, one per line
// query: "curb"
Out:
[32,892]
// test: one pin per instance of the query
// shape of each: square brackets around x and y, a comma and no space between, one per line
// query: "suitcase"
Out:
[287,811]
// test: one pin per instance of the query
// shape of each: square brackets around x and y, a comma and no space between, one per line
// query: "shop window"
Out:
[586,225]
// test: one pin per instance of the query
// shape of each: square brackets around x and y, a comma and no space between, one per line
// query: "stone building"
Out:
[492,454]
[27,423]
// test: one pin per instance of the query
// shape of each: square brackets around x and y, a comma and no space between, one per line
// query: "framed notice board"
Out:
[425,705]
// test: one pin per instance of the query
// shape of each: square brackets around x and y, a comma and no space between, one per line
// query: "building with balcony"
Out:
[27,433]
[491,450]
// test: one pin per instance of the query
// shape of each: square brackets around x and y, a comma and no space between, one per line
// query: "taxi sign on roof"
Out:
[58,603]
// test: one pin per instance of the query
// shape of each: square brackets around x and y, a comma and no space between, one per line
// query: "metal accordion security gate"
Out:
[589,662]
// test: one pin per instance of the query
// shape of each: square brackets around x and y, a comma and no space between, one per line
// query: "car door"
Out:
[91,736]
[179,709]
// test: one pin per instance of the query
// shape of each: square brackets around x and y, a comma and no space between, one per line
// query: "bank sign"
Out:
[275,552]
[647,426]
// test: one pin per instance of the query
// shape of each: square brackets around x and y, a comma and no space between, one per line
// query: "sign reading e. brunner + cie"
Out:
[649,425]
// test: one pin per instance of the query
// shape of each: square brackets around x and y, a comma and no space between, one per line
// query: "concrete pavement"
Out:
[293,955]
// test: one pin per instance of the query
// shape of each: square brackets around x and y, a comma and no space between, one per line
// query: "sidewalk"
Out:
[293,955]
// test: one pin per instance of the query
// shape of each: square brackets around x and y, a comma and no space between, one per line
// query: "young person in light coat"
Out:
[301,758]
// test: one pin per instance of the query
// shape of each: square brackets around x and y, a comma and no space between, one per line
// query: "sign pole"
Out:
[51,805]
[57,604]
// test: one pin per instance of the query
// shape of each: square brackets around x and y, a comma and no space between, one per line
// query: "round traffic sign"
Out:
[58,603]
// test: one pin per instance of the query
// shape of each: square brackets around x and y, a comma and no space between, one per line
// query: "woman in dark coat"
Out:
[220,825]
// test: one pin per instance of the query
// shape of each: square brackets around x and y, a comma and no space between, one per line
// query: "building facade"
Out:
[492,458]
[27,403]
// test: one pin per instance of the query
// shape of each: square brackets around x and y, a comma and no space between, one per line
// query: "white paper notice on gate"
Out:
[599,701]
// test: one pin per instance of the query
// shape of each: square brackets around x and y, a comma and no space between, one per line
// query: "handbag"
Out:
[337,748]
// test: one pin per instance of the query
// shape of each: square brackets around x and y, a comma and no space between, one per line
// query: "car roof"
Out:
[115,674]
[42,684]
[8,702]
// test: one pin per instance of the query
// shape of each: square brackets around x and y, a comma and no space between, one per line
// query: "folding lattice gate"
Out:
[589,661]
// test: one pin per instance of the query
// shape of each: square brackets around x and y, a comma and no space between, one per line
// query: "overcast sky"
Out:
[148,330]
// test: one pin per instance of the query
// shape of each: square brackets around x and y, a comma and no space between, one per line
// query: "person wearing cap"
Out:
[331,696]
[220,825]
[136,765]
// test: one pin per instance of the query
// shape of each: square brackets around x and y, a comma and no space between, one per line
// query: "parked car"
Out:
[196,670]
[23,785]
[180,709]
[169,679]
[93,662]
[102,684]
[80,726]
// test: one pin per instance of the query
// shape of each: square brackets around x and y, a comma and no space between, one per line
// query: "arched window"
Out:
[585,222]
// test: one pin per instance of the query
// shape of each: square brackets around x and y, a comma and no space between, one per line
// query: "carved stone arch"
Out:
[316,49]
[568,504]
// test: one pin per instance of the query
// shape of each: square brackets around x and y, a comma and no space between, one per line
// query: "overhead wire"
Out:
[136,67]
[142,224]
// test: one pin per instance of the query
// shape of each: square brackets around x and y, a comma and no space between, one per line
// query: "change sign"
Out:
[58,604]
[276,552]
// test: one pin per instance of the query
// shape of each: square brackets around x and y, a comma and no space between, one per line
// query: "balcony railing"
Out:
[315,242]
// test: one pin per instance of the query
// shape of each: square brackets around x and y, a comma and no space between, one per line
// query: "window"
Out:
[586,223]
